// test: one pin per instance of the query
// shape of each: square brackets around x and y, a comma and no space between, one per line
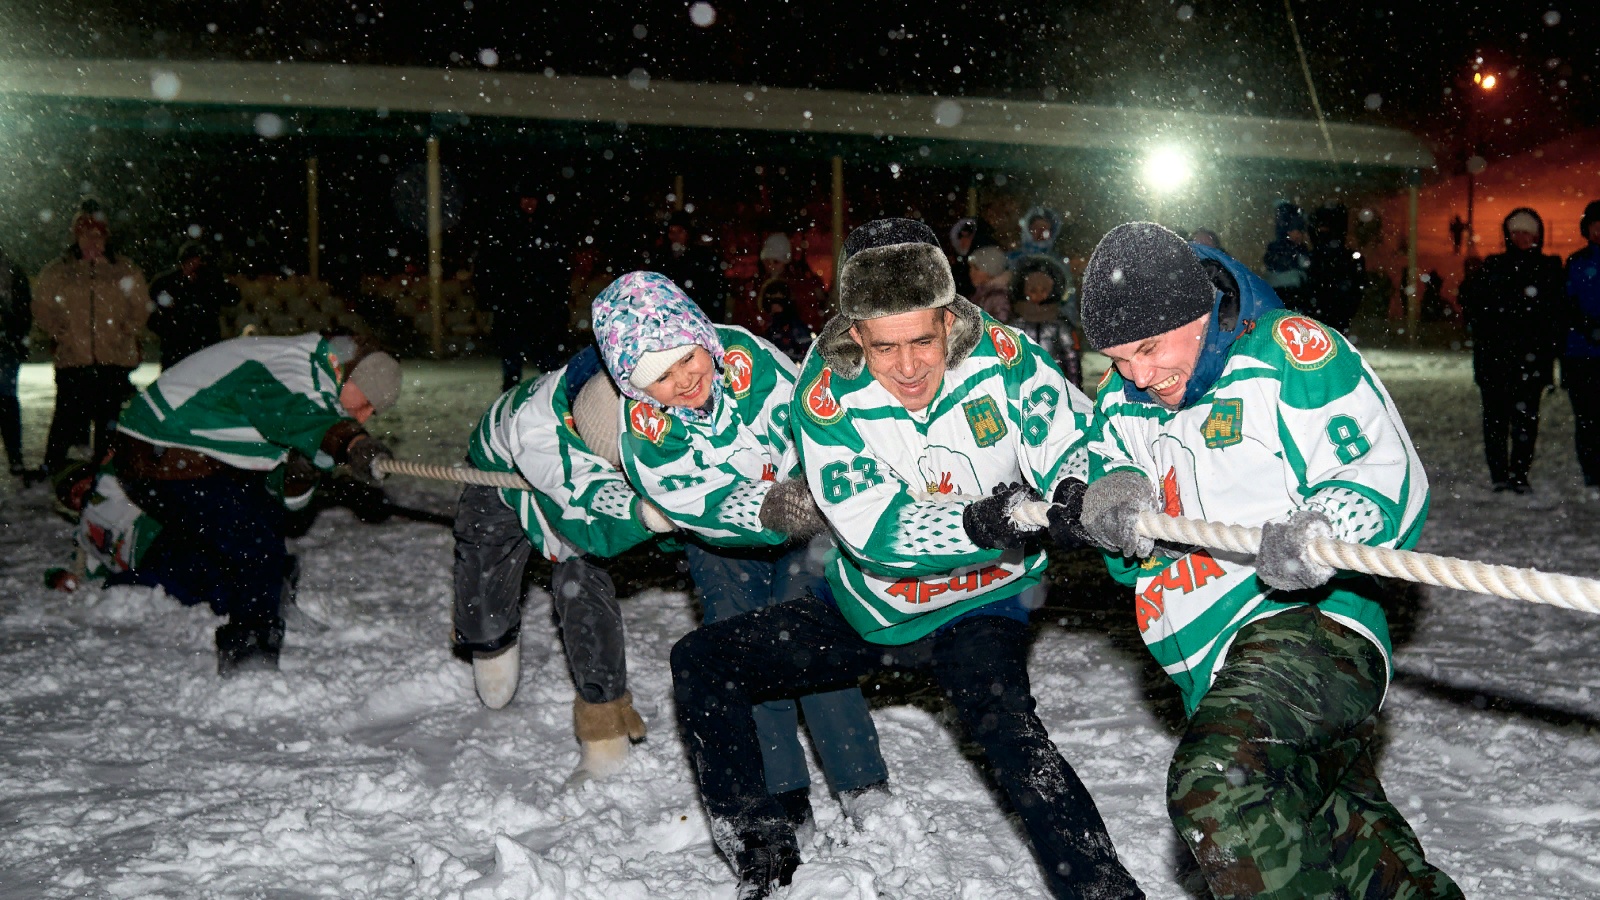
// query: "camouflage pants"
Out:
[1274,785]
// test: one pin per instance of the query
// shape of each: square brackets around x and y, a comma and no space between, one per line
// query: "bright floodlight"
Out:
[1167,169]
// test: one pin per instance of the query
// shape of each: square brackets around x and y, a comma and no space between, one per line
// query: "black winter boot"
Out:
[797,809]
[765,868]
[247,646]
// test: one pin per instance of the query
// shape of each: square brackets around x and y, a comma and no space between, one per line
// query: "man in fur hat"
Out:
[922,424]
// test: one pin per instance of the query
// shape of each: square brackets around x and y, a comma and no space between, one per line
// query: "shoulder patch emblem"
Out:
[1305,341]
[571,423]
[648,422]
[1005,344]
[738,369]
[984,418]
[1105,378]
[819,401]
[1225,426]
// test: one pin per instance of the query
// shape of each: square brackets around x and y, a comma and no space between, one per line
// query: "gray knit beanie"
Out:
[1141,281]
[378,377]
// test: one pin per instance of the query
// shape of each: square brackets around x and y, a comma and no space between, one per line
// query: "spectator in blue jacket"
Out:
[1580,365]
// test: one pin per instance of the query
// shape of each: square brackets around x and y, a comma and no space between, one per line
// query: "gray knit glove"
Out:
[1111,508]
[789,508]
[1283,561]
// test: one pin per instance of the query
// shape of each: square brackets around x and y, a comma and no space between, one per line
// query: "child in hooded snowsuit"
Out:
[706,438]
[1038,288]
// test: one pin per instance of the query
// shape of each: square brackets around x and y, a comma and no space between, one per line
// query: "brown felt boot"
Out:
[605,731]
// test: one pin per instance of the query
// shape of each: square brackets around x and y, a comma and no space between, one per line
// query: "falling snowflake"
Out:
[702,14]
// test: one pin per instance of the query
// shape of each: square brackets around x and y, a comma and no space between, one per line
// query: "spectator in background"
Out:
[188,303]
[1580,367]
[1040,228]
[1513,305]
[1038,287]
[1287,260]
[16,320]
[967,236]
[522,276]
[805,295]
[1207,238]
[991,279]
[691,264]
[92,303]
[784,327]
[1337,273]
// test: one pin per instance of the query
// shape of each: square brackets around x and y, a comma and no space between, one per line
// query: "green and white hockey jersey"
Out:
[711,474]
[1296,420]
[580,504]
[245,402]
[893,483]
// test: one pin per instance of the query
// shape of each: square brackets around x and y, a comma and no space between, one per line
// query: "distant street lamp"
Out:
[1165,171]
[1485,82]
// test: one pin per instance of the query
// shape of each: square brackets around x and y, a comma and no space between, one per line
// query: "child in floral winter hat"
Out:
[705,437]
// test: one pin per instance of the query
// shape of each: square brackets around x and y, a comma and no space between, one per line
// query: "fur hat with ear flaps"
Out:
[894,266]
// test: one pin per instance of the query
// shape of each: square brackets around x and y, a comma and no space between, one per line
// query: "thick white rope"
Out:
[1566,591]
[451,473]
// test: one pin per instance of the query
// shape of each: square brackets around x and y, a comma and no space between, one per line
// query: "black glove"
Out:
[363,452]
[789,508]
[299,475]
[1284,559]
[1066,516]
[989,522]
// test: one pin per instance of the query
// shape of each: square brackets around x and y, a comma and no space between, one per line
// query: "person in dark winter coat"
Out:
[522,275]
[93,303]
[1337,273]
[1580,366]
[16,320]
[784,327]
[1038,287]
[1514,306]
[1287,260]
[692,265]
[967,236]
[188,303]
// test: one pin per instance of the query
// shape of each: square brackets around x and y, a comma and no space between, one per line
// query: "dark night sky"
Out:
[1392,63]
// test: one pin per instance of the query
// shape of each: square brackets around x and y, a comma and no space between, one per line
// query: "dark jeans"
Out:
[221,543]
[1510,428]
[10,413]
[1581,376]
[86,396]
[491,553]
[733,582]
[805,645]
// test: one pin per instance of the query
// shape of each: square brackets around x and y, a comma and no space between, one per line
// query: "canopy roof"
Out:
[486,104]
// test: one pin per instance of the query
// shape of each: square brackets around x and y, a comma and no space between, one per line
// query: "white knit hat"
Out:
[378,377]
[777,247]
[1523,221]
[992,260]
[595,413]
[655,363]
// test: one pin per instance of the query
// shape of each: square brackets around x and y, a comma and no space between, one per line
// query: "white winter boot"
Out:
[495,674]
[605,732]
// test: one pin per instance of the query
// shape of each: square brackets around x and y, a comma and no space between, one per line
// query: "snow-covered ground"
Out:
[367,769]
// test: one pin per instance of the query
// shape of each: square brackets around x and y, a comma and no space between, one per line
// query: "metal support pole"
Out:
[1413,285]
[313,223]
[677,193]
[435,249]
[972,200]
[838,225]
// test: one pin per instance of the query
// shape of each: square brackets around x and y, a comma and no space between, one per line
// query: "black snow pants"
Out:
[491,553]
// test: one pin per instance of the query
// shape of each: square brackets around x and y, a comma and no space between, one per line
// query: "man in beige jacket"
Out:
[93,303]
